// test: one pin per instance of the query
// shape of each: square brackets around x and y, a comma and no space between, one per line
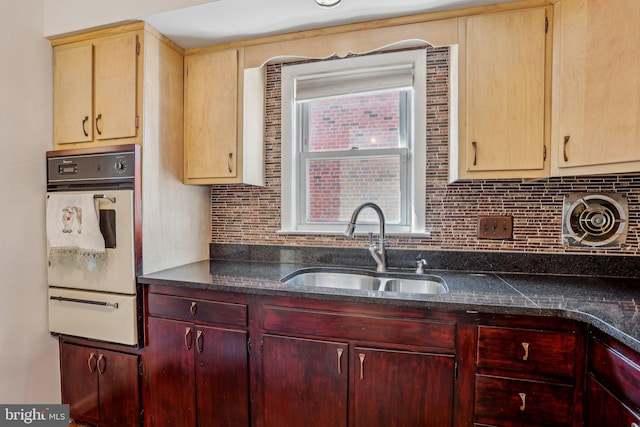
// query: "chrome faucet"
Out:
[377,251]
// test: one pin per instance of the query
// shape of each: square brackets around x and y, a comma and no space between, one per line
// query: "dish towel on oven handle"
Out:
[73,231]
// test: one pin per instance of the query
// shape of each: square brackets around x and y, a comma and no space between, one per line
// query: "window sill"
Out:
[426,233]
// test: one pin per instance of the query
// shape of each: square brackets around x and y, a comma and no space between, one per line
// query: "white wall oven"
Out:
[93,243]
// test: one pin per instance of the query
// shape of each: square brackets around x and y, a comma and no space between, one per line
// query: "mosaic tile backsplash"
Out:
[243,214]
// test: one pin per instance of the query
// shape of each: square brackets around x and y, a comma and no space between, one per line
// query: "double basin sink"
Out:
[366,280]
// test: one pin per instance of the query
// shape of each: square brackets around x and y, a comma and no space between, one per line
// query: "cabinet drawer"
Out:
[615,371]
[527,351]
[197,310]
[522,402]
[428,333]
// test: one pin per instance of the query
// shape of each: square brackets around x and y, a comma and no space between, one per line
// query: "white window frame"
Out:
[291,180]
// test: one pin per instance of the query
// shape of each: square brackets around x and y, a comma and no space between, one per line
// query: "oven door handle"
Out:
[104,196]
[85,301]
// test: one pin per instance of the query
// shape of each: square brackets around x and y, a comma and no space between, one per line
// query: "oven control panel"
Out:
[91,168]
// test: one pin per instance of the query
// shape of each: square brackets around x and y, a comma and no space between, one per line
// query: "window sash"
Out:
[402,154]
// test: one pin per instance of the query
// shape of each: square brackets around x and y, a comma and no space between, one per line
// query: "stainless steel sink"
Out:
[416,286]
[367,280]
[331,279]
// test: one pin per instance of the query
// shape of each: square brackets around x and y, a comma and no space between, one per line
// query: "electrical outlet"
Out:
[495,227]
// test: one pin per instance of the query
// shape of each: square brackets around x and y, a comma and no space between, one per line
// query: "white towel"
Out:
[73,231]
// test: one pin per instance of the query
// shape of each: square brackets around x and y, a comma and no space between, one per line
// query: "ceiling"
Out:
[229,20]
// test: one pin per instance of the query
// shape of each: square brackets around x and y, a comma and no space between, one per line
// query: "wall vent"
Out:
[594,220]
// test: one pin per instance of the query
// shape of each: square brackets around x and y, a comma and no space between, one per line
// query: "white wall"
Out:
[65,16]
[29,366]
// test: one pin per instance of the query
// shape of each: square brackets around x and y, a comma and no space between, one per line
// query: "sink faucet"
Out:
[377,251]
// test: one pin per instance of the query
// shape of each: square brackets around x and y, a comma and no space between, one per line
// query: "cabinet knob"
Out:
[194,308]
[525,346]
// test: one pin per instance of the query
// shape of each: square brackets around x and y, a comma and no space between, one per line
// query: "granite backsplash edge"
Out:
[476,261]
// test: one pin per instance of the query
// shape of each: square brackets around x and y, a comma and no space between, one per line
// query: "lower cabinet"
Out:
[390,387]
[528,372]
[338,375]
[195,374]
[304,382]
[613,384]
[100,385]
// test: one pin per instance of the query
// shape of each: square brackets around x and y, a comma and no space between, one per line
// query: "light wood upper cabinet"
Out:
[211,116]
[223,119]
[96,90]
[503,95]
[596,122]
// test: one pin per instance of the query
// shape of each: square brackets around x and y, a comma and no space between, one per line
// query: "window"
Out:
[354,132]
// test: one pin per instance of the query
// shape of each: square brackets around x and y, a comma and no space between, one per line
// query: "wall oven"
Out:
[94,296]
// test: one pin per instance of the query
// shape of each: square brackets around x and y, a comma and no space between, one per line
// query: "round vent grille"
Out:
[595,219]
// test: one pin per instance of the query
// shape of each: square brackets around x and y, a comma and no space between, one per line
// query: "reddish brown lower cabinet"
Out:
[528,372]
[402,388]
[613,384]
[101,386]
[304,382]
[195,374]
[347,365]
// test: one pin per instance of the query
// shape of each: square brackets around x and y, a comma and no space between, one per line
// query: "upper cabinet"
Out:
[596,126]
[504,82]
[217,150]
[96,90]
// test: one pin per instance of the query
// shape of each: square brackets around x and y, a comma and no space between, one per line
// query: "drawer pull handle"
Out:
[361,356]
[194,308]
[229,162]
[187,338]
[635,425]
[199,341]
[523,398]
[92,366]
[339,361]
[525,345]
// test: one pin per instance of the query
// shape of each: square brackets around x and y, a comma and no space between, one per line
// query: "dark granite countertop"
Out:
[608,303]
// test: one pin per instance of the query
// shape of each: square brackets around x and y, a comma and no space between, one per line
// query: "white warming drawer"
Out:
[96,315]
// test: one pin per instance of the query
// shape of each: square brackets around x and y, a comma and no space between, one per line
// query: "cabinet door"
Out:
[119,389]
[115,87]
[503,123]
[73,94]
[79,377]
[222,379]
[604,409]
[304,383]
[211,114]
[598,86]
[398,388]
[169,373]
